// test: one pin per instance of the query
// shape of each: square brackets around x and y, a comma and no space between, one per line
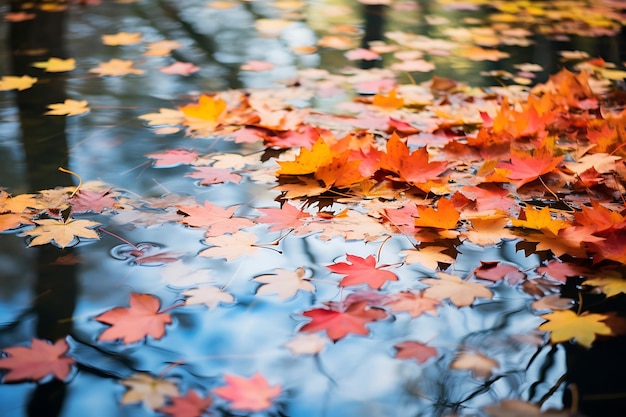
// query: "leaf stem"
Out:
[118,237]
[80,180]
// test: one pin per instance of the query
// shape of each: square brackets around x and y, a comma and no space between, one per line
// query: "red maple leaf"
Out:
[410,167]
[191,405]
[613,248]
[414,350]
[133,323]
[496,271]
[286,217]
[173,157]
[338,321]
[37,361]
[402,218]
[362,271]
[248,394]
[527,168]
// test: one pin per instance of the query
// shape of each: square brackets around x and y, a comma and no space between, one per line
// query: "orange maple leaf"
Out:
[308,161]
[389,101]
[527,168]
[445,217]
[131,324]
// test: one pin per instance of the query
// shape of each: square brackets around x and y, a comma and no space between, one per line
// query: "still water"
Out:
[53,293]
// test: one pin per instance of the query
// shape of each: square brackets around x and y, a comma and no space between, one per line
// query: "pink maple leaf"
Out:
[173,157]
[96,202]
[180,68]
[414,350]
[211,175]
[37,361]
[248,394]
[284,218]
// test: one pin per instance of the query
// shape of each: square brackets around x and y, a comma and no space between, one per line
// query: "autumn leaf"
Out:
[116,67]
[360,270]
[429,256]
[56,64]
[180,68]
[121,38]
[566,325]
[390,101]
[165,116]
[190,405]
[445,216]
[540,220]
[207,109]
[496,271]
[9,221]
[11,82]
[611,284]
[133,323]
[461,293]
[561,270]
[37,361]
[413,303]
[306,344]
[308,161]
[480,365]
[527,168]
[208,295]
[284,283]
[173,157]
[151,391]
[414,350]
[284,218]
[94,201]
[216,219]
[338,322]
[212,175]
[231,246]
[248,394]
[68,108]
[61,233]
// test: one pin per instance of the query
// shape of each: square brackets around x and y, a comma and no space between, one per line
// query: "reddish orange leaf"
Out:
[527,168]
[414,350]
[131,324]
[37,361]
[338,321]
[191,405]
[445,217]
[413,303]
[410,167]
[362,271]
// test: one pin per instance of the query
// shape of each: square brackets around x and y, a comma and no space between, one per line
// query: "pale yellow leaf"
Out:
[68,108]
[61,233]
[153,392]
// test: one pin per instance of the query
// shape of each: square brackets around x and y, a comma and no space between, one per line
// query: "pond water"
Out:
[161,264]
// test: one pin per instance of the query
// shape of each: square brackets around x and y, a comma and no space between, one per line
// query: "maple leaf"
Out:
[613,247]
[116,67]
[495,271]
[248,394]
[231,246]
[306,344]
[389,101]
[413,303]
[445,217]
[190,405]
[212,175]
[611,284]
[68,108]
[56,64]
[480,365]
[526,168]
[360,270]
[11,82]
[284,282]
[540,220]
[61,233]
[37,361]
[308,161]
[286,217]
[566,325]
[429,256]
[338,321]
[10,221]
[180,68]
[461,293]
[133,323]
[165,116]
[413,168]
[94,201]
[208,108]
[208,295]
[410,349]
[561,270]
[173,157]
[121,38]
[217,219]
[162,48]
[148,389]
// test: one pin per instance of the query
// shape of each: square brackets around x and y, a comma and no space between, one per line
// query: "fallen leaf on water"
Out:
[121,38]
[480,365]
[11,82]
[190,405]
[37,361]
[248,394]
[414,350]
[56,64]
[61,233]
[231,246]
[460,293]
[358,270]
[68,108]
[284,283]
[566,325]
[209,295]
[116,67]
[180,68]
[151,391]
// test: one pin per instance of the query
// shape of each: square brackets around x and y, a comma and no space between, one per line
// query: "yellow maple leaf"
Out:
[116,67]
[148,389]
[162,48]
[540,220]
[611,284]
[122,38]
[68,108]
[308,161]
[56,64]
[460,293]
[566,325]
[60,232]
[165,116]
[12,82]
[207,108]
